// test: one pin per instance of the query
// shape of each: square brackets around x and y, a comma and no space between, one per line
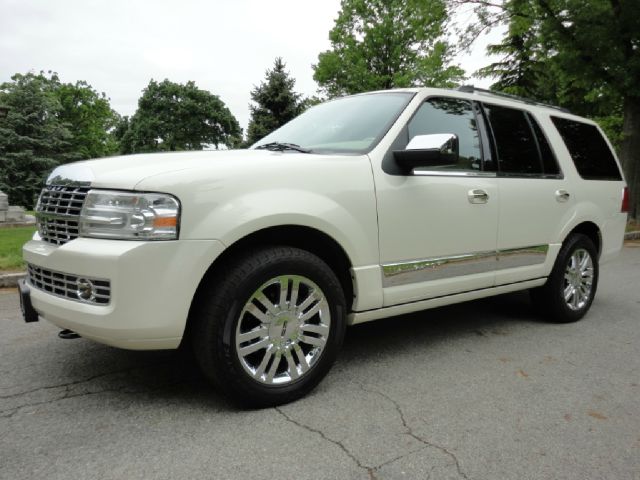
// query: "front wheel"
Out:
[571,287]
[269,326]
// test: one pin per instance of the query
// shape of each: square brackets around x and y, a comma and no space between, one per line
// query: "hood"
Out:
[126,172]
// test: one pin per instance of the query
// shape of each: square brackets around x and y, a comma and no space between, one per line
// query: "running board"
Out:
[369,315]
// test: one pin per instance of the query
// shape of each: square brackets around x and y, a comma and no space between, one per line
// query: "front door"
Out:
[437,226]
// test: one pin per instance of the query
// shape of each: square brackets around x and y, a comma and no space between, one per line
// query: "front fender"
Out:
[228,200]
[354,228]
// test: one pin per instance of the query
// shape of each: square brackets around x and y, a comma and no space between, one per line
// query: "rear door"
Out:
[601,186]
[535,198]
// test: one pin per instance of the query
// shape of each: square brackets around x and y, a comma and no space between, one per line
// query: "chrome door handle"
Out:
[477,196]
[562,196]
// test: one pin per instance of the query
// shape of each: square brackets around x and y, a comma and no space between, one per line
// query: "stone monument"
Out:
[11,214]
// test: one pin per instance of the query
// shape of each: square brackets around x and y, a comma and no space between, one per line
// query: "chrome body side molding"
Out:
[521,257]
[415,271]
[437,268]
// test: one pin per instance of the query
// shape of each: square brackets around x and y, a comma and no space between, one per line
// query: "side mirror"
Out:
[434,150]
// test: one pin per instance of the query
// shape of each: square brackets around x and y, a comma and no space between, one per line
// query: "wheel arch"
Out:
[590,230]
[305,238]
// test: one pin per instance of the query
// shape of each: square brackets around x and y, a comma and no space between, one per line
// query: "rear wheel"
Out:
[571,287]
[269,326]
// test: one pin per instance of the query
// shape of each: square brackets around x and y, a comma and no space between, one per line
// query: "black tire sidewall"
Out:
[267,264]
[555,287]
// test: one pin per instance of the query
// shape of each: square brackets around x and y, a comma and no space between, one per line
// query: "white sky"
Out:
[225,46]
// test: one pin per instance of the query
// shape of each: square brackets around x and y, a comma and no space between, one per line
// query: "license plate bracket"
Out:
[29,313]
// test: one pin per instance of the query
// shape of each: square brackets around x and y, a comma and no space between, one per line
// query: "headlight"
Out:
[130,216]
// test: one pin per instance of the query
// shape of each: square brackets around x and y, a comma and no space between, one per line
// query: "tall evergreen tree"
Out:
[381,44]
[33,139]
[49,123]
[589,52]
[275,103]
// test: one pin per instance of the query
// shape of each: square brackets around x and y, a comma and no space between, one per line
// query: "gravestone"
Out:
[4,206]
[10,214]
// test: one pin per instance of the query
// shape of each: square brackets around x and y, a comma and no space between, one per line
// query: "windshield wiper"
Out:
[281,147]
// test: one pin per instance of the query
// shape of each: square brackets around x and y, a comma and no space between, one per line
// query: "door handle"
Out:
[477,196]
[562,196]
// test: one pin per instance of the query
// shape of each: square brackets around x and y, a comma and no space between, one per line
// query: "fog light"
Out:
[85,290]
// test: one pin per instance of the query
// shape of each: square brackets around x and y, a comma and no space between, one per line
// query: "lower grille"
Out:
[82,289]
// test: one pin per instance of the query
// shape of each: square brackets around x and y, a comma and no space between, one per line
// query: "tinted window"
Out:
[549,162]
[590,153]
[516,146]
[448,115]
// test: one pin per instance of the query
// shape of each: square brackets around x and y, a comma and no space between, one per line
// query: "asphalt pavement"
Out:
[483,390]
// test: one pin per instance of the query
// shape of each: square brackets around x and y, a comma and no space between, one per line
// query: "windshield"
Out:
[347,125]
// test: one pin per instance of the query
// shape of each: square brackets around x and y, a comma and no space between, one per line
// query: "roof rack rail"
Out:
[529,101]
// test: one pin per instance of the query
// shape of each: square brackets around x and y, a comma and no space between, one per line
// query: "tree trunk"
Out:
[630,153]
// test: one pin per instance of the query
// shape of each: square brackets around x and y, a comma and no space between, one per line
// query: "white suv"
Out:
[361,208]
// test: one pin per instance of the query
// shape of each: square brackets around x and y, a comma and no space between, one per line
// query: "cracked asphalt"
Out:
[483,390]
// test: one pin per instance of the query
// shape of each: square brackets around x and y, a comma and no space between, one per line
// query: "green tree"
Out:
[90,119]
[275,103]
[381,44]
[33,138]
[582,55]
[120,129]
[173,116]
[49,123]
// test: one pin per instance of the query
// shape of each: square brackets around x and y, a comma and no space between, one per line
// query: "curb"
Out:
[10,280]
[632,235]
[17,225]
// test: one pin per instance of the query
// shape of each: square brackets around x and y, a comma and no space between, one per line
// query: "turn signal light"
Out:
[165,222]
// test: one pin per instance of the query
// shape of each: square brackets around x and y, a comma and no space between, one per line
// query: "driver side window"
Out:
[450,115]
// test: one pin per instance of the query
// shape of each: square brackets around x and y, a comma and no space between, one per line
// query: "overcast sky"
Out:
[225,46]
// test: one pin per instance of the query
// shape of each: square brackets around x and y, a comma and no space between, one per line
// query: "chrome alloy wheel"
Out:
[283,329]
[578,279]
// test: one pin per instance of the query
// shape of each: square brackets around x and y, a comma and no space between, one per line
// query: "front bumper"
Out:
[152,286]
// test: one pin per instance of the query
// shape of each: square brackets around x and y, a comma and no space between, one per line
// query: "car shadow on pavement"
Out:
[84,368]
[420,330]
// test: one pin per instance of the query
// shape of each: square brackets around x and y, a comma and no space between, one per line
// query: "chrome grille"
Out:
[58,212]
[66,285]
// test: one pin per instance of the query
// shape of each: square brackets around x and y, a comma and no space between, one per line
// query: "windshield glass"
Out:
[347,125]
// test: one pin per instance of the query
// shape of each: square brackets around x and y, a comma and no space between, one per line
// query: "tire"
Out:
[262,344]
[572,285]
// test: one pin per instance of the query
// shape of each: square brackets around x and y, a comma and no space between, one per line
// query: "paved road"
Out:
[476,391]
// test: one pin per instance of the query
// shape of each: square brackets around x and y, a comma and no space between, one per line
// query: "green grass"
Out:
[11,241]
[633,226]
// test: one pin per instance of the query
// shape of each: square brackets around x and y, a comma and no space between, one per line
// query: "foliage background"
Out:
[581,55]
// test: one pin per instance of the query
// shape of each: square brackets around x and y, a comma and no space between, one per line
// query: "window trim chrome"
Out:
[453,173]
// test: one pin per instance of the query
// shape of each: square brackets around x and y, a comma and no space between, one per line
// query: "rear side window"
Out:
[590,153]
[521,146]
[549,162]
